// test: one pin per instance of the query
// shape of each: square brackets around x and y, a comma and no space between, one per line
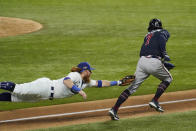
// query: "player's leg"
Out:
[140,77]
[164,75]
[36,90]
[166,78]
[161,89]
[5,96]
[7,86]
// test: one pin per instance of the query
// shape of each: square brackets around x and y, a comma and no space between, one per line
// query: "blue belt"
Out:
[51,93]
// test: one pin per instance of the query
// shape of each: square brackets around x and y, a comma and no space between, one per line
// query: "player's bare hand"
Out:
[83,94]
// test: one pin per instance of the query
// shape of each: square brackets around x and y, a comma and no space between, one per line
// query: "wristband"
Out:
[119,82]
[113,83]
[99,83]
[75,89]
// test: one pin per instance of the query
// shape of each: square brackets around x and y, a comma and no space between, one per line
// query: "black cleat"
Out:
[113,114]
[155,104]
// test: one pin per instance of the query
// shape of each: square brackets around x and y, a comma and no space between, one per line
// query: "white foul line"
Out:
[90,111]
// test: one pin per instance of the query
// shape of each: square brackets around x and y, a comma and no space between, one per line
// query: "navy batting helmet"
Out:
[155,24]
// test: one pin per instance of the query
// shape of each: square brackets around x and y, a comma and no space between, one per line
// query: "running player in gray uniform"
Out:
[152,54]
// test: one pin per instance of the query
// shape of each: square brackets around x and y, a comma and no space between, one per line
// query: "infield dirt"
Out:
[94,116]
[16,26]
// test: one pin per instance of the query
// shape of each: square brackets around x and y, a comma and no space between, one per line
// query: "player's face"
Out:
[86,75]
[88,72]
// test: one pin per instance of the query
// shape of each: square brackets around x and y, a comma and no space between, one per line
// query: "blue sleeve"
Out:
[66,78]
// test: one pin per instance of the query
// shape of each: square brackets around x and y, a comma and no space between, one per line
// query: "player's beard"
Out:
[86,79]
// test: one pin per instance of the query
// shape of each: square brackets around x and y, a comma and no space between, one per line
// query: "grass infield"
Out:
[106,33]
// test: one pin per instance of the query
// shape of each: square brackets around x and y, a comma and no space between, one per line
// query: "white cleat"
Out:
[113,114]
[156,106]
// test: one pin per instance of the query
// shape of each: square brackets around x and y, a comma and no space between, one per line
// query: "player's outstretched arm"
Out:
[127,80]
[106,83]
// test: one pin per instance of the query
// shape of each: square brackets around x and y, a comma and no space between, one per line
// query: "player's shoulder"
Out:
[161,33]
[158,31]
[155,32]
[165,34]
[164,31]
[74,74]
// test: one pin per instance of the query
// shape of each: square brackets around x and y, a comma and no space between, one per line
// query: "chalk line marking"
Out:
[90,111]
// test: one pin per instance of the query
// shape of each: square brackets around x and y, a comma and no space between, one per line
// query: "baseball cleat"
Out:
[113,114]
[155,104]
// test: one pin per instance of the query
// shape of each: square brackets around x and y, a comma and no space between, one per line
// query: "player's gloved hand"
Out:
[166,58]
[83,94]
[127,80]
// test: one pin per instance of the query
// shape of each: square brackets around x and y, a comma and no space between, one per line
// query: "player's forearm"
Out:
[127,80]
[68,83]
[106,83]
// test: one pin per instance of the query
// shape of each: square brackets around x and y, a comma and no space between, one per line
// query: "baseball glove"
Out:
[127,80]
[168,65]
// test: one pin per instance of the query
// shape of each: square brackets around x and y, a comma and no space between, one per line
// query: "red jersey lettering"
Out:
[148,37]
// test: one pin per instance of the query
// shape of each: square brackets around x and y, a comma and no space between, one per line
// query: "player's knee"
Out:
[131,89]
[169,80]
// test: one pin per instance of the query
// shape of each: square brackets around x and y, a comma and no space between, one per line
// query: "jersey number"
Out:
[148,37]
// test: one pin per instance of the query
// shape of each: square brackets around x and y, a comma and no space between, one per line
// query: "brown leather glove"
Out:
[127,80]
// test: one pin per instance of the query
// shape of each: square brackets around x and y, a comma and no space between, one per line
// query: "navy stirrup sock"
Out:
[121,99]
[5,96]
[161,89]
[7,86]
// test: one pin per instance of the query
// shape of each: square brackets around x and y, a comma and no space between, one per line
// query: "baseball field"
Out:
[45,38]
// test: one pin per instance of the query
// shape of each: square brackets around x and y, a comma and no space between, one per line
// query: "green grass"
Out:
[169,122]
[106,33]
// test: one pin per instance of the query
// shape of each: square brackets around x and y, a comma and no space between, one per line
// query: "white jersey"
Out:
[41,88]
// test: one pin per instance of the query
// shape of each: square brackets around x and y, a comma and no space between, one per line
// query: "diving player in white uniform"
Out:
[44,88]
